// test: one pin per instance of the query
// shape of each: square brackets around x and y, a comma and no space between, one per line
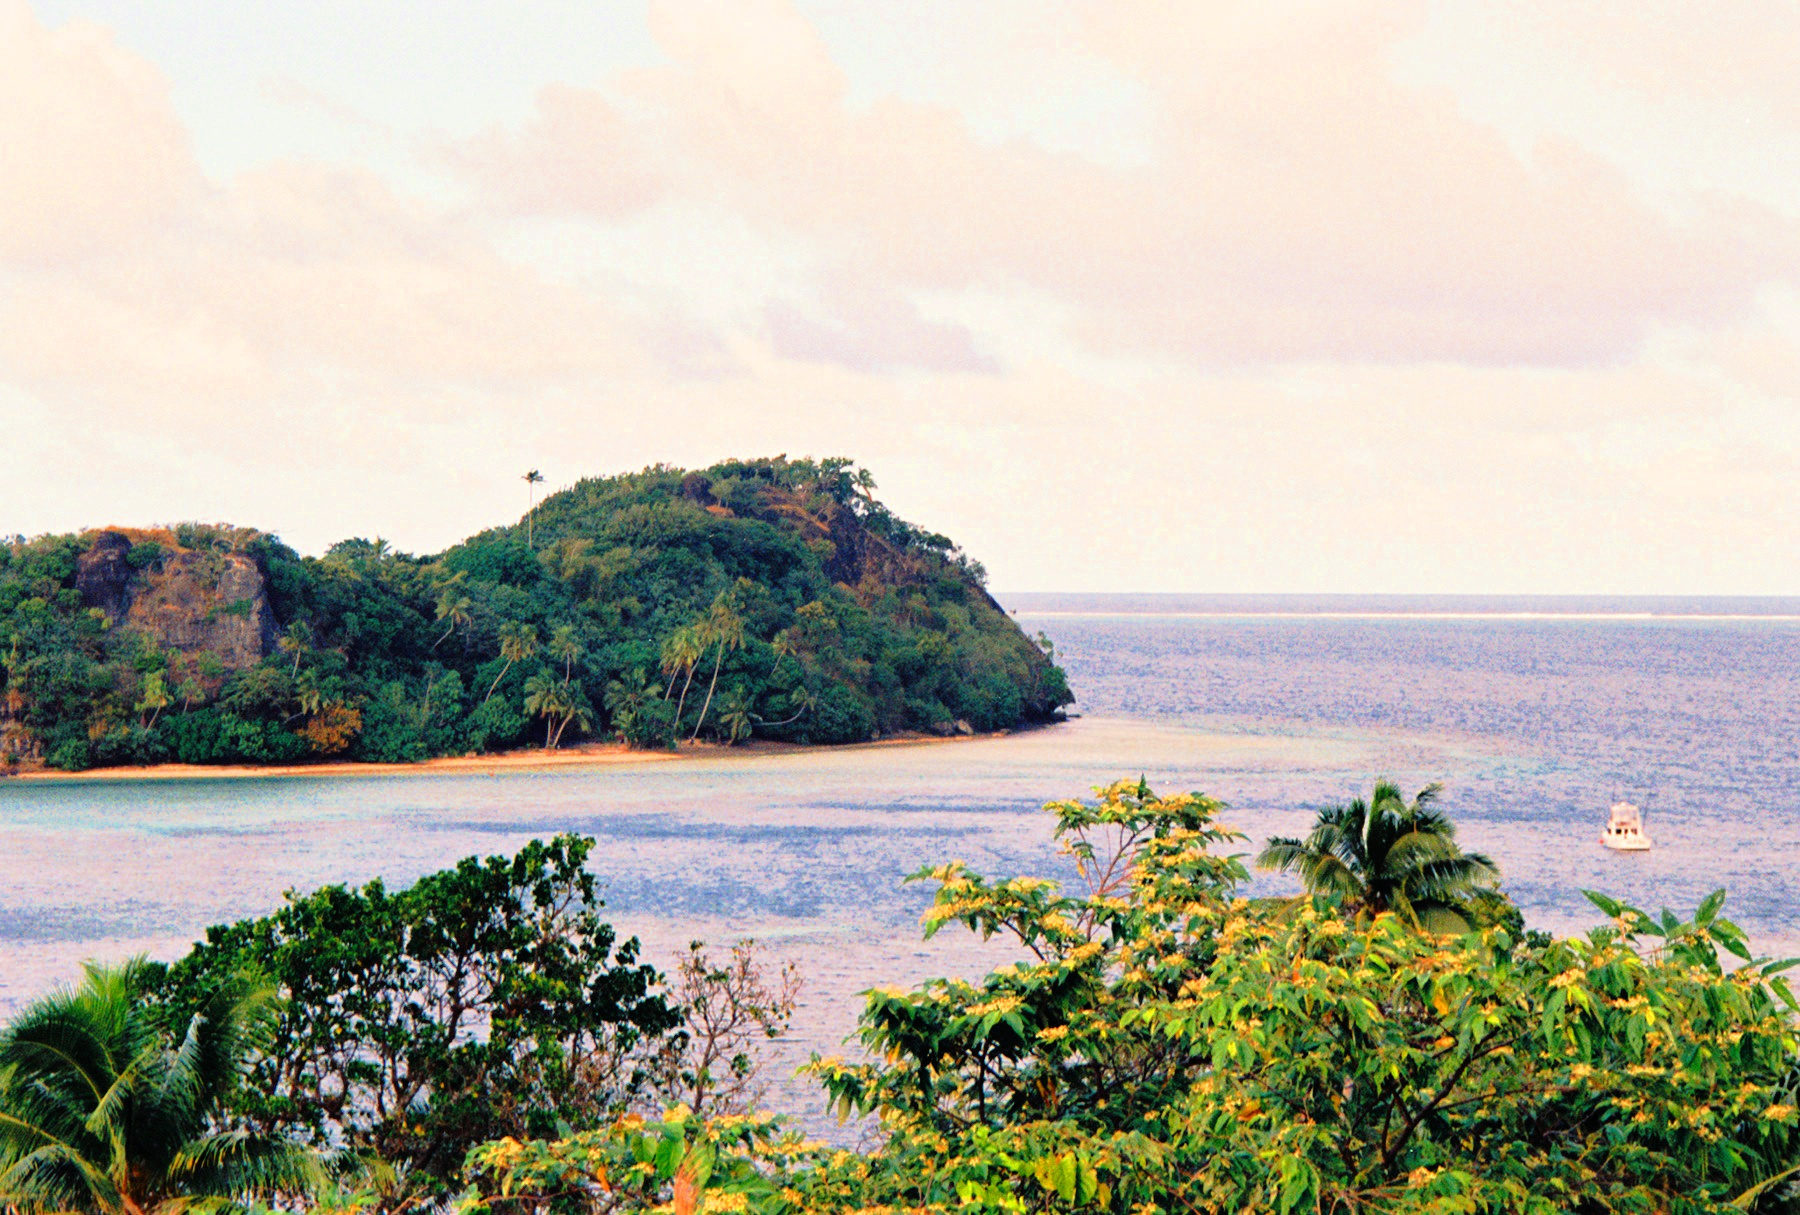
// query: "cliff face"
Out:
[188,600]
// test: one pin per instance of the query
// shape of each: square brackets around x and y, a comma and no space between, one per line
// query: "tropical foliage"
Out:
[1164,1044]
[769,599]
[106,1108]
[1387,854]
[485,999]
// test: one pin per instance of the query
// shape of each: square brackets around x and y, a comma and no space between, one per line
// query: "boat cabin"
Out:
[1625,829]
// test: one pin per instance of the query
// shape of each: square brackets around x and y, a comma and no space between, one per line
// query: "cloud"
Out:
[873,331]
[292,277]
[91,154]
[1300,204]
[569,160]
[130,281]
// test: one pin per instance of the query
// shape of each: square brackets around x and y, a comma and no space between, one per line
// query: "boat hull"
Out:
[1637,845]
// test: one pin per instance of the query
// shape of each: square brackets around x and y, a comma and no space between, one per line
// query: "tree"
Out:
[517,643]
[309,693]
[566,645]
[453,605]
[627,697]
[190,691]
[155,698]
[723,630]
[801,700]
[1388,855]
[736,716]
[532,479]
[296,639]
[559,704]
[103,1110]
[681,653]
[487,999]
[433,673]
[728,1006]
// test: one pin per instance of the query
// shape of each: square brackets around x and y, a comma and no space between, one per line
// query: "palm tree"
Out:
[190,690]
[154,700]
[309,694]
[453,605]
[517,643]
[563,645]
[735,715]
[783,645]
[681,652]
[102,1110]
[296,639]
[628,696]
[558,704]
[724,629]
[575,708]
[1388,855]
[800,700]
[433,673]
[533,479]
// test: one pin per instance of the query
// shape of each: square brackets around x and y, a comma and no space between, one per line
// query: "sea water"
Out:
[1535,714]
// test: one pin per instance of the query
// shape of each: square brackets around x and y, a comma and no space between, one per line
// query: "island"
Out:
[770,599]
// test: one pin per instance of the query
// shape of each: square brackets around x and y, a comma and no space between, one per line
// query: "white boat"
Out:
[1625,829]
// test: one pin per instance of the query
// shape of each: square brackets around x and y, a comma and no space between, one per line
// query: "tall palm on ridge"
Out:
[103,1111]
[532,480]
[1386,854]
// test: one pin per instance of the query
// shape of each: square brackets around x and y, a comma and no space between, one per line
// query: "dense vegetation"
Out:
[1162,1044]
[772,599]
[1165,1045]
[368,1038]
[487,999]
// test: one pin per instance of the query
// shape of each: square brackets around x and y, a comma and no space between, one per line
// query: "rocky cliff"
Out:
[187,599]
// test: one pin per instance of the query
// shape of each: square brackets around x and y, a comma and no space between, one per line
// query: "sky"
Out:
[1126,295]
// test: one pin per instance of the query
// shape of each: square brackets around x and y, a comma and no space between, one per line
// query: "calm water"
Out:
[1536,712]
[1535,718]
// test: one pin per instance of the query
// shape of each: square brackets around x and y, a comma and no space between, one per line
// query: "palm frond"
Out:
[1282,854]
[1327,874]
[54,1177]
[246,1164]
[1450,877]
[1414,848]
[1442,918]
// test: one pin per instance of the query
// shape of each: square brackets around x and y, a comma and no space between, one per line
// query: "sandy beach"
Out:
[593,755]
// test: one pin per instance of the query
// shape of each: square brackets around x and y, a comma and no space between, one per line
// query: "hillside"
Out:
[768,599]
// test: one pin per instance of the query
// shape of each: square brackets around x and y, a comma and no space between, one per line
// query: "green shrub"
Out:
[485,999]
[144,554]
[74,755]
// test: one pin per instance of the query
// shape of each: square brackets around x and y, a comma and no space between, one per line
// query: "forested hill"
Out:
[767,599]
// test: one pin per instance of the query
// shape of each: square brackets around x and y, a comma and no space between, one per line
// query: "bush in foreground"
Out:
[489,998]
[1167,1045]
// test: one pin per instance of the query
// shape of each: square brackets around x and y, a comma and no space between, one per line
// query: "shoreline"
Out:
[590,755]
